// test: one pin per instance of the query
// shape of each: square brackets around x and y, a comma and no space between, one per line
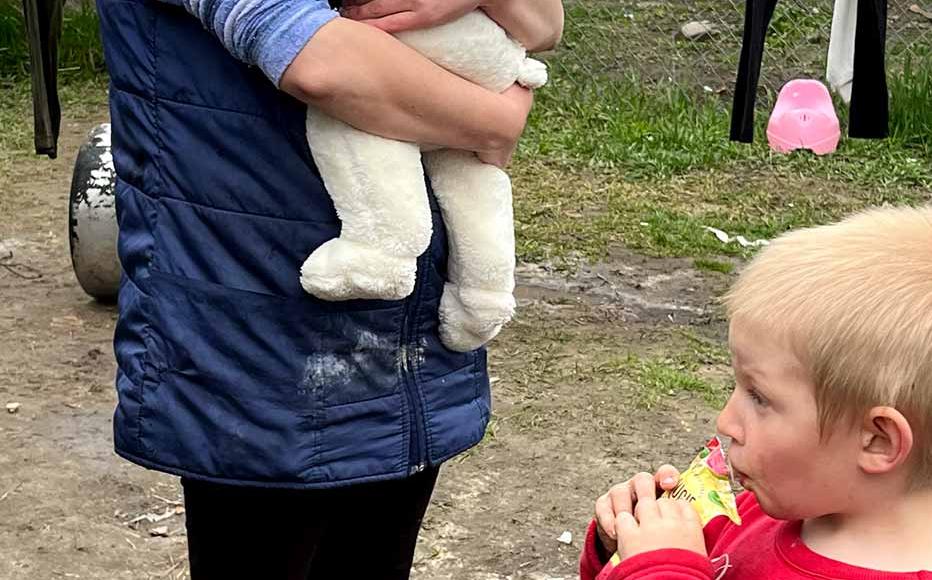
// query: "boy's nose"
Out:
[727,423]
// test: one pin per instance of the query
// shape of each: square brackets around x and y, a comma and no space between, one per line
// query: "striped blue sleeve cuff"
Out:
[266,33]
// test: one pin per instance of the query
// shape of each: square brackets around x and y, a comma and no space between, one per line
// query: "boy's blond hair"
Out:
[854,299]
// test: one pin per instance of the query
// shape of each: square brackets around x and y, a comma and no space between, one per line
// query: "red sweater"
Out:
[761,548]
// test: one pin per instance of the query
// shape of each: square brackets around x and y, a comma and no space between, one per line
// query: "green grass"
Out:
[15,118]
[660,378]
[642,132]
[80,52]
[793,25]
[911,104]
[562,212]
[82,77]
[698,351]
[607,158]
[81,98]
[650,164]
[621,126]
[612,156]
[710,265]
[689,363]
[617,161]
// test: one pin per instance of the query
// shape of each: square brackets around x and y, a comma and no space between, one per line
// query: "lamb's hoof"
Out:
[469,318]
[345,270]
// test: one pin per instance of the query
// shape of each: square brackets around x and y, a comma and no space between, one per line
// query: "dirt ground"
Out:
[566,422]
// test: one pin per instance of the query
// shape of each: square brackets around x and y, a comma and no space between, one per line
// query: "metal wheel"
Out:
[92,224]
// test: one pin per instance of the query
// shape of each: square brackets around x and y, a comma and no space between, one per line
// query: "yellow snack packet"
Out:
[706,485]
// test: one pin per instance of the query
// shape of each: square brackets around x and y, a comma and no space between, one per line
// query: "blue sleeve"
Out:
[266,33]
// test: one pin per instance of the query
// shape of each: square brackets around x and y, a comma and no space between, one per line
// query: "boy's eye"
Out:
[756,397]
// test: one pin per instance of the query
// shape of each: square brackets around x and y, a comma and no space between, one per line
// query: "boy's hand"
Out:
[660,524]
[397,15]
[623,498]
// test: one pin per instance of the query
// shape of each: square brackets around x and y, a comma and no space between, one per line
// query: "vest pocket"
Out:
[256,386]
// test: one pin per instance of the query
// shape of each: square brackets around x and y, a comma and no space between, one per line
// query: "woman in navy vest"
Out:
[308,434]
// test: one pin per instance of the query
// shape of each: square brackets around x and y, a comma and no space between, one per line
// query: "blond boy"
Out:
[830,422]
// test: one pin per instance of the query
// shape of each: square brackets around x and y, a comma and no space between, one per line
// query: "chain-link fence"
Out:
[645,39]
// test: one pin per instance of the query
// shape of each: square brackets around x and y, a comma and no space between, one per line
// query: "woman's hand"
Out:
[623,499]
[521,99]
[397,15]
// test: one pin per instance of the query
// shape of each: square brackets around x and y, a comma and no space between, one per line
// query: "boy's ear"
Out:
[886,440]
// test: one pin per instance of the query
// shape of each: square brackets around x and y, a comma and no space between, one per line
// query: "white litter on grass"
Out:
[741,240]
[698,29]
[566,538]
[155,518]
[161,531]
[916,9]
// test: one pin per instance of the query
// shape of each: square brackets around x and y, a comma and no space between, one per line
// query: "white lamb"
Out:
[378,190]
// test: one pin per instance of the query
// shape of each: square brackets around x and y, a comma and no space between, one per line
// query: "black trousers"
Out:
[365,531]
[869,112]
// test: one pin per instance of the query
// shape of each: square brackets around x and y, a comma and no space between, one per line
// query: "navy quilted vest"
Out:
[228,371]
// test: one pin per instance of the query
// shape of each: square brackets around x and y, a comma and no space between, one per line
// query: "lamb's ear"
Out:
[886,440]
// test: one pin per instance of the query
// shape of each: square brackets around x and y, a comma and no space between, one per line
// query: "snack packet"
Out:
[706,485]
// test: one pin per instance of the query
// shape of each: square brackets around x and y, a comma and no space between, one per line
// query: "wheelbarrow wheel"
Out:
[92,224]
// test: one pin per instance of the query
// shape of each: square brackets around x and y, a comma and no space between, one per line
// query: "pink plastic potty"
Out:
[804,118]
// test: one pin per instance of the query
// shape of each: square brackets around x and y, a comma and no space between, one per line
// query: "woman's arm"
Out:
[536,24]
[368,79]
[364,77]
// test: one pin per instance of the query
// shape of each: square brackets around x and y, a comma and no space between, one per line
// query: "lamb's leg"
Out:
[475,199]
[377,187]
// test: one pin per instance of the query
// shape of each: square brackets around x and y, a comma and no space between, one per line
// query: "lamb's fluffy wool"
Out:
[378,189]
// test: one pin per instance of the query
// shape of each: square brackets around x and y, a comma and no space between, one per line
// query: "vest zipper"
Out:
[417,460]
